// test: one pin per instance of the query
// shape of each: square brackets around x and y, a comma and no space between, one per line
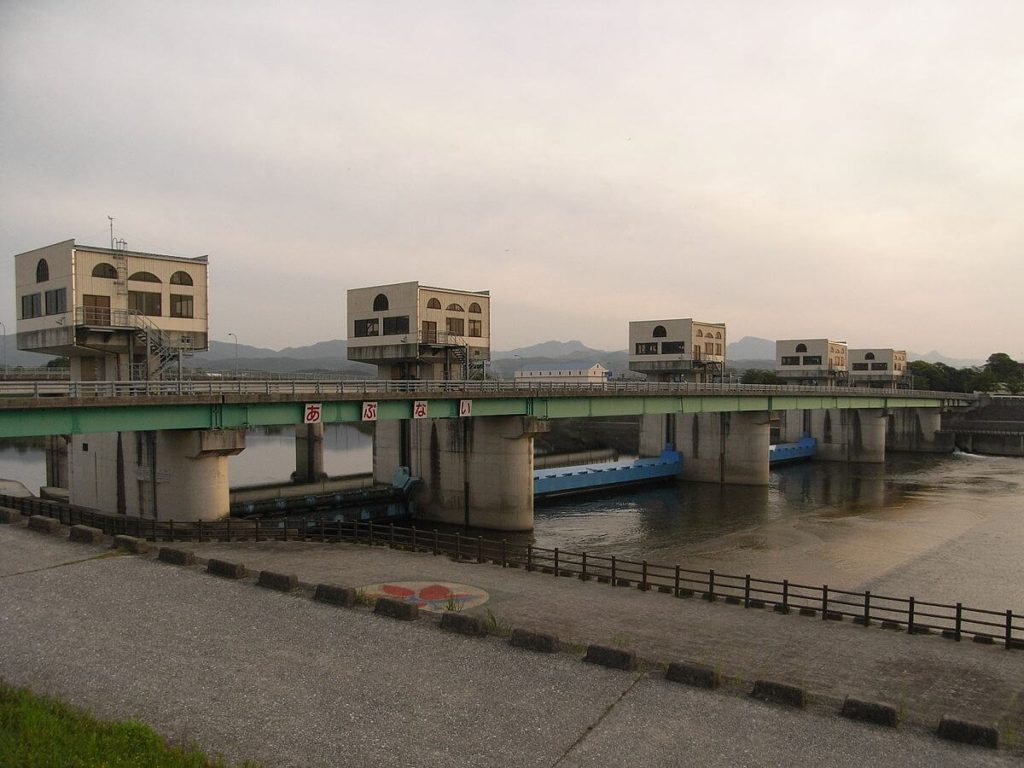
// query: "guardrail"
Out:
[953,620]
[497,388]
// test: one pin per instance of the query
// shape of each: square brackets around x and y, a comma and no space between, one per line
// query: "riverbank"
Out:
[331,693]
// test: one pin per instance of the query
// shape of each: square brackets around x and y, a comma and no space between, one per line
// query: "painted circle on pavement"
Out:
[435,596]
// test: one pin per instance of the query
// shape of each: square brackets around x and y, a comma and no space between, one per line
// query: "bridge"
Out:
[471,442]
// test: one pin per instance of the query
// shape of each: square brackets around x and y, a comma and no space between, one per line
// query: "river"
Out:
[946,528]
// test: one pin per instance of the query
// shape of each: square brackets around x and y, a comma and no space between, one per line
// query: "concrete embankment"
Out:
[267,674]
[995,427]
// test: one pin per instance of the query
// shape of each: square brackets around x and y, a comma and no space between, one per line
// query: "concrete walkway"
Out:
[251,673]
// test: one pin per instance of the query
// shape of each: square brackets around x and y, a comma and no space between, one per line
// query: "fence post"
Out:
[643,576]
[824,602]
[199,526]
[228,526]
[172,528]
[746,591]
[1009,629]
[286,527]
[257,532]
[613,570]
[675,589]
[414,538]
[711,585]
[785,595]
[458,546]
[556,561]
[479,549]
[959,620]
[435,542]
[529,557]
[867,607]
[371,533]
[583,567]
[504,553]
[391,535]
[323,531]
[910,617]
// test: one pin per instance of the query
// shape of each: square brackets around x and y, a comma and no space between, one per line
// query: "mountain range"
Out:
[323,356]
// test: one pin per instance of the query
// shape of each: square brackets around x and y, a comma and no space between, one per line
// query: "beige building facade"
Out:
[117,314]
[413,331]
[882,367]
[815,362]
[677,350]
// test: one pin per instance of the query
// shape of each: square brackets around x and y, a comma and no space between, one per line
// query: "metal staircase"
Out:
[161,350]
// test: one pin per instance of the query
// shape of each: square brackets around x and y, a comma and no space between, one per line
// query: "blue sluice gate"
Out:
[805,448]
[551,482]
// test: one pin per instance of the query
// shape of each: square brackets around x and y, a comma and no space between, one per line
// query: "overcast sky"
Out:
[795,169]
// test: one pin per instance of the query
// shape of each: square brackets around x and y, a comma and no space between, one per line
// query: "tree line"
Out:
[1000,373]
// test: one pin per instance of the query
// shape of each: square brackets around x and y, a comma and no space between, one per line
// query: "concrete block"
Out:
[779,693]
[176,556]
[396,609]
[808,612]
[869,712]
[44,524]
[534,641]
[698,675]
[984,639]
[329,593]
[833,616]
[617,658]
[887,624]
[463,623]
[780,608]
[10,516]
[665,590]
[623,583]
[282,582]
[968,733]
[757,603]
[733,600]
[949,634]
[86,534]
[225,568]
[132,544]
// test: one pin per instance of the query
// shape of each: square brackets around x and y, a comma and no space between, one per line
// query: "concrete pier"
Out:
[724,447]
[57,469]
[475,472]
[855,434]
[917,430]
[179,474]
[309,453]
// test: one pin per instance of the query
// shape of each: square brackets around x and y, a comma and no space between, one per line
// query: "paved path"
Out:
[256,674]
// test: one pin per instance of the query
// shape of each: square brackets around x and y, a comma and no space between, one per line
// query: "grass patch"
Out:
[40,732]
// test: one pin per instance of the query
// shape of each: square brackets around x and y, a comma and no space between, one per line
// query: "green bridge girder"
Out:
[31,417]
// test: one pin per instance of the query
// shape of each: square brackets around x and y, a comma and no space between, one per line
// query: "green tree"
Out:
[760,376]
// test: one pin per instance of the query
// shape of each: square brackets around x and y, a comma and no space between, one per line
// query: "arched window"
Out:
[700,333]
[869,356]
[718,334]
[475,308]
[434,304]
[181,278]
[380,303]
[145,277]
[104,270]
[42,271]
[801,347]
[659,332]
[455,308]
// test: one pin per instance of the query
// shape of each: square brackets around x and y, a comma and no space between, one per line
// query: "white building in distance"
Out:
[677,350]
[413,331]
[817,362]
[595,374]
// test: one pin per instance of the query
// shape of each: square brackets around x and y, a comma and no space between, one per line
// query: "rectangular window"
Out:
[709,347]
[860,366]
[718,348]
[456,326]
[396,325]
[647,348]
[57,301]
[145,303]
[476,328]
[181,305]
[31,306]
[673,347]
[791,361]
[812,359]
[879,366]
[367,327]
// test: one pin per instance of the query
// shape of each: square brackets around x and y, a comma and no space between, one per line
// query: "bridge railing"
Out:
[908,614]
[493,388]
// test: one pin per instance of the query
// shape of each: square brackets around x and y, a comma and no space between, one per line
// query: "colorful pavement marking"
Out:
[434,596]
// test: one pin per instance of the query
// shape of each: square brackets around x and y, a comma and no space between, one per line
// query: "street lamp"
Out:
[5,344]
[236,354]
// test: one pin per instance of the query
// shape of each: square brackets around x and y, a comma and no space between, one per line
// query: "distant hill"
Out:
[750,348]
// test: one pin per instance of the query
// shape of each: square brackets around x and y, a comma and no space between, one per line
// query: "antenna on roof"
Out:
[111,232]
